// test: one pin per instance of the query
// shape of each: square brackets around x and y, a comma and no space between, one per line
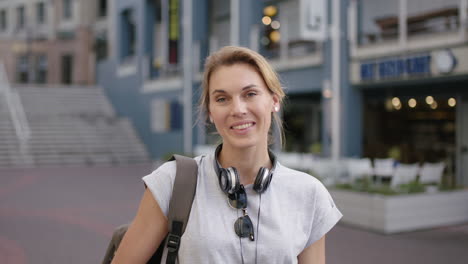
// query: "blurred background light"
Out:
[326,93]
[275,36]
[429,100]
[275,24]
[265,41]
[266,20]
[452,102]
[270,11]
[412,103]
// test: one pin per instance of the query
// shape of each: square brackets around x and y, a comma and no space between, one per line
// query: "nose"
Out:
[239,107]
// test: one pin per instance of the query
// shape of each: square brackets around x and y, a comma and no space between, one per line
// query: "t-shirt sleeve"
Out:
[160,182]
[326,214]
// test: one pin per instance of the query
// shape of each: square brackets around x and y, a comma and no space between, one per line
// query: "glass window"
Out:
[21,19]
[22,69]
[67,9]
[280,20]
[40,12]
[303,124]
[378,20]
[3,20]
[67,69]
[101,46]
[411,128]
[220,24]
[41,69]
[166,115]
[432,16]
[128,34]
[102,8]
[174,34]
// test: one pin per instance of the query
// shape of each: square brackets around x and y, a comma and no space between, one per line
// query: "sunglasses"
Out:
[243,225]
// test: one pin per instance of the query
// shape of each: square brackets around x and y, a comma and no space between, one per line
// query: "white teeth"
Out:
[244,126]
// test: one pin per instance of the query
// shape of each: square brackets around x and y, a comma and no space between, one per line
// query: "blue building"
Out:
[359,75]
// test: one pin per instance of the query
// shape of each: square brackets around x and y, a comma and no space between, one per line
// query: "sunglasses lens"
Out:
[244,227]
[238,199]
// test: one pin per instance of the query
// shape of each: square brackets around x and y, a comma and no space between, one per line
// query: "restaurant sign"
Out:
[396,68]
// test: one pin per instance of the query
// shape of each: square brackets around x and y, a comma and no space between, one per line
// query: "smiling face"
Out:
[240,106]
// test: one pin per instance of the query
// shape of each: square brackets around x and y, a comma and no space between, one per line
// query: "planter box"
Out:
[399,213]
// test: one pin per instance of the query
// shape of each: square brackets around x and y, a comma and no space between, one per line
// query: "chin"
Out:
[241,143]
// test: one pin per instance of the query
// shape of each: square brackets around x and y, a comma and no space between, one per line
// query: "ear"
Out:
[276,103]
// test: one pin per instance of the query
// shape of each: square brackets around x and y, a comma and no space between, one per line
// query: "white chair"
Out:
[358,168]
[404,173]
[290,159]
[307,162]
[383,168]
[431,172]
[325,170]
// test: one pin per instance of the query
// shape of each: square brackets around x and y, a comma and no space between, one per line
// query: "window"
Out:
[166,115]
[294,43]
[67,9]
[219,24]
[128,36]
[100,46]
[67,69]
[20,18]
[174,32]
[3,20]
[40,12]
[102,8]
[271,34]
[378,21]
[22,69]
[303,119]
[41,69]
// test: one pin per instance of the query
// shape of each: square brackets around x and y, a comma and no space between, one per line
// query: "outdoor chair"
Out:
[404,173]
[290,159]
[358,168]
[383,168]
[326,170]
[307,162]
[431,173]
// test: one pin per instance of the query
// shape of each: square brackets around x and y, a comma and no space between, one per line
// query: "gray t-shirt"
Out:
[295,211]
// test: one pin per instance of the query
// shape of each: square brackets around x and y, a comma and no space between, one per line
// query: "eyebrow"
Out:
[243,89]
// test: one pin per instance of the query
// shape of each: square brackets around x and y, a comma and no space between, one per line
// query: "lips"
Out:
[242,126]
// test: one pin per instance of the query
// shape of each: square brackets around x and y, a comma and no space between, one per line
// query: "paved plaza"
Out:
[67,215]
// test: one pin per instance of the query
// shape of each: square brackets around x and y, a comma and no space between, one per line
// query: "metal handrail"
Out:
[18,116]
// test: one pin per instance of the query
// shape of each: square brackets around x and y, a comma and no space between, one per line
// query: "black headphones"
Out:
[229,178]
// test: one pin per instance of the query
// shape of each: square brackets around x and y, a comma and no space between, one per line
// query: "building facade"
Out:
[52,41]
[147,65]
[363,78]
[409,61]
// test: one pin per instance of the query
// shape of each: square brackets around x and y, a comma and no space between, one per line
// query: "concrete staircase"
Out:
[69,126]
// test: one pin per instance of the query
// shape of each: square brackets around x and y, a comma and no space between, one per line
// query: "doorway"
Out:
[462,138]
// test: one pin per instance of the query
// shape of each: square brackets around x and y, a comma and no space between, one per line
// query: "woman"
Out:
[248,208]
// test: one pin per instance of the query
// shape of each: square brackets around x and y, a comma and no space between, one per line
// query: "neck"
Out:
[247,161]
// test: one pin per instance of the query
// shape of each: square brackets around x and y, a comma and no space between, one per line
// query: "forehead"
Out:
[235,76]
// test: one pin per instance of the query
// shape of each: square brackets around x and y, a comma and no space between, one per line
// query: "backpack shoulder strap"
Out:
[180,205]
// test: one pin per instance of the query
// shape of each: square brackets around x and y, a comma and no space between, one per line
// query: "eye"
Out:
[220,100]
[251,94]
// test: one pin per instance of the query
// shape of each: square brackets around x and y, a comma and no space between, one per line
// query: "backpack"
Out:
[179,211]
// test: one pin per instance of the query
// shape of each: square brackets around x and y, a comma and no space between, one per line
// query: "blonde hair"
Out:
[230,55]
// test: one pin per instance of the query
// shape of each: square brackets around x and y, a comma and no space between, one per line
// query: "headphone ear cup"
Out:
[229,180]
[262,181]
